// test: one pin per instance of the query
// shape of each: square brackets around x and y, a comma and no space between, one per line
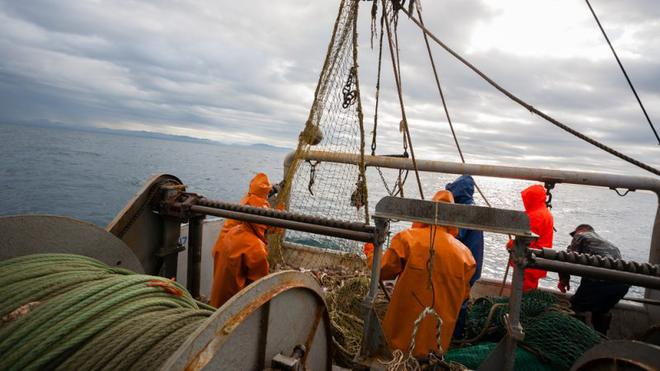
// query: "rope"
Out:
[76,313]
[624,71]
[530,107]
[444,103]
[362,178]
[397,79]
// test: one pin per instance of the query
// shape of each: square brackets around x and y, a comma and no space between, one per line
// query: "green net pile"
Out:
[554,340]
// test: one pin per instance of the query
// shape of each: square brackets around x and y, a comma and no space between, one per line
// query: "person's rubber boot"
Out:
[601,322]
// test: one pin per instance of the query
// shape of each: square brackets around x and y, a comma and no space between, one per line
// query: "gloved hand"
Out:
[277,188]
[368,248]
[509,245]
[564,286]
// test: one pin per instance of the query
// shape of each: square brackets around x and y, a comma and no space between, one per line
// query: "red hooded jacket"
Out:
[541,223]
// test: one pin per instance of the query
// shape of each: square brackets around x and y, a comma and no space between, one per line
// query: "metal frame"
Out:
[611,181]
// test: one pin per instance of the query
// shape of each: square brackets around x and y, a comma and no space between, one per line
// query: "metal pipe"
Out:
[289,224]
[498,171]
[193,277]
[595,272]
[287,215]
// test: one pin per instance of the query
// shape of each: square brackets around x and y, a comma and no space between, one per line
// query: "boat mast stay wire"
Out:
[444,102]
[648,119]
[400,95]
[528,106]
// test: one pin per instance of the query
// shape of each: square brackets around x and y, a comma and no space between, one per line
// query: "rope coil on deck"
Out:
[63,311]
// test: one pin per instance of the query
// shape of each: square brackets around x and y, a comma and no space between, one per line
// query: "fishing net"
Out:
[553,338]
[485,317]
[345,290]
[334,124]
[472,357]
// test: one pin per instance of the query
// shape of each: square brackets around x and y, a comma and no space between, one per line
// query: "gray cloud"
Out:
[246,71]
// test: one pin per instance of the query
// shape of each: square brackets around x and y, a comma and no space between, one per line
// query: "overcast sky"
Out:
[245,72]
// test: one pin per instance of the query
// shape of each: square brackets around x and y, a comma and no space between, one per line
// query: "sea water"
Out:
[91,175]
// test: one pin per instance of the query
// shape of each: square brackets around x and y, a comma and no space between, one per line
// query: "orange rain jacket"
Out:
[241,259]
[541,223]
[406,258]
[257,196]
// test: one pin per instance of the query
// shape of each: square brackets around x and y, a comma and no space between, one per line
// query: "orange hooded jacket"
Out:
[406,258]
[241,259]
[257,196]
[541,223]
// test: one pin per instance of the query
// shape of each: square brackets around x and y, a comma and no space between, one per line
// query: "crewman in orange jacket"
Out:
[257,196]
[241,259]
[540,223]
[406,259]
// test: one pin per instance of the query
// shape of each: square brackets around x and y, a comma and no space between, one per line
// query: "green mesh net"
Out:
[485,317]
[472,357]
[554,340]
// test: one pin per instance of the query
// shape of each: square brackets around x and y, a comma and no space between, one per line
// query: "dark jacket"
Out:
[591,243]
[463,190]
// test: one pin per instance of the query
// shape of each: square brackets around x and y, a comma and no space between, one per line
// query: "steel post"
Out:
[372,334]
[654,258]
[195,228]
[170,247]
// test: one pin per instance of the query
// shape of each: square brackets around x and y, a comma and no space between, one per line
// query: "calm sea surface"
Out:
[90,176]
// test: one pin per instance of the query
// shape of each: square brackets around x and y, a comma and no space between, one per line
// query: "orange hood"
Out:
[533,197]
[260,186]
[441,196]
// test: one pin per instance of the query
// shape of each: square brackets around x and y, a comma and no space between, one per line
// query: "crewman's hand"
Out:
[564,286]
[368,248]
[509,244]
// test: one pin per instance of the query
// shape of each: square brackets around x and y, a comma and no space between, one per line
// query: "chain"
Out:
[549,186]
[312,175]
[350,94]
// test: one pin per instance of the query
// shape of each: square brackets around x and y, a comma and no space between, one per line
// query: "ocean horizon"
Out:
[91,175]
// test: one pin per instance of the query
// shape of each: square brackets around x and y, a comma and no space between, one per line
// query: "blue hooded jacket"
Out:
[463,190]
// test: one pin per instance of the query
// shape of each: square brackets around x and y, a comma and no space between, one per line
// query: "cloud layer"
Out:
[246,72]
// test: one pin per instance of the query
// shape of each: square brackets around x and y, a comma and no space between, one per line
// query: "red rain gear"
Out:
[541,223]
[406,260]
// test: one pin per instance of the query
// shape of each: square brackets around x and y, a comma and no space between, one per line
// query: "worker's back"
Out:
[240,260]
[453,266]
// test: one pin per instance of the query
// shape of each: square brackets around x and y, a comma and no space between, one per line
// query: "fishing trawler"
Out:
[282,321]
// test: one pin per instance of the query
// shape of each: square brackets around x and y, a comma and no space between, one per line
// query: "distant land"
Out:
[140,134]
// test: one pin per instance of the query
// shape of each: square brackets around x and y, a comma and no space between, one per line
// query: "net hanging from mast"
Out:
[335,123]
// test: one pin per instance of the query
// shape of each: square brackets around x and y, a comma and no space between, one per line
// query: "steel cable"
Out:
[528,106]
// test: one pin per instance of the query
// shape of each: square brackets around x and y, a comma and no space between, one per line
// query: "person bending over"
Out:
[595,296]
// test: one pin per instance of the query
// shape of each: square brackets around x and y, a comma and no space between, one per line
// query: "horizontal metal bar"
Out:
[595,272]
[509,172]
[283,223]
[287,215]
[461,216]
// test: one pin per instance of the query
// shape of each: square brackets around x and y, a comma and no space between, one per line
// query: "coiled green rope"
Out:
[62,311]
